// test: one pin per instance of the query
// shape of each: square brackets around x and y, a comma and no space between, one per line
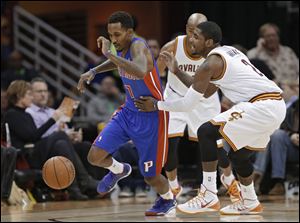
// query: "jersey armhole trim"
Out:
[224,68]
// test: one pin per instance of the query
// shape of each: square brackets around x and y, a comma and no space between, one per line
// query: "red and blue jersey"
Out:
[135,87]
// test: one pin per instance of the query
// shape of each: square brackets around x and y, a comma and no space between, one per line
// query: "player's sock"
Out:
[210,181]
[248,192]
[174,183]
[228,179]
[167,196]
[116,167]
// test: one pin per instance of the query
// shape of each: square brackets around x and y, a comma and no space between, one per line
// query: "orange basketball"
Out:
[58,172]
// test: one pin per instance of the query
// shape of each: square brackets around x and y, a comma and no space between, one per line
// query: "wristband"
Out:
[107,53]
[93,71]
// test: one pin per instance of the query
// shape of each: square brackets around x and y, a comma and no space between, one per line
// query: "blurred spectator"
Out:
[280,59]
[24,133]
[290,91]
[41,113]
[283,148]
[6,46]
[16,71]
[258,63]
[107,100]
[155,49]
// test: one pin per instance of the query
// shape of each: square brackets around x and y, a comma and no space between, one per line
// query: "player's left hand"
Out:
[146,104]
[170,61]
[104,44]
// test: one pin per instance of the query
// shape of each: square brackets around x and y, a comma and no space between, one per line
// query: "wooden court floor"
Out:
[277,209]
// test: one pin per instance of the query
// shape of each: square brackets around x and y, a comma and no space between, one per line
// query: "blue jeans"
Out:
[280,150]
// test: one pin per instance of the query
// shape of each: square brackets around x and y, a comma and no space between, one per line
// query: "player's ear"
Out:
[130,31]
[209,43]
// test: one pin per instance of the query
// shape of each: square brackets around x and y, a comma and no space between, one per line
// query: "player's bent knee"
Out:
[208,130]
[96,156]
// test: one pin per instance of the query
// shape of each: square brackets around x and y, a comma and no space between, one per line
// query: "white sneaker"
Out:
[234,190]
[205,201]
[243,207]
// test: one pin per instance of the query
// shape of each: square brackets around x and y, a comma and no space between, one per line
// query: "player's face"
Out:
[189,28]
[198,42]
[118,35]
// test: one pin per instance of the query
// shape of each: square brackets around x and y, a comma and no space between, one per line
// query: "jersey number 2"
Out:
[254,69]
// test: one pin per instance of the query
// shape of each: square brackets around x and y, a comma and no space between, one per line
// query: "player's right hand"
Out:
[87,77]
[170,61]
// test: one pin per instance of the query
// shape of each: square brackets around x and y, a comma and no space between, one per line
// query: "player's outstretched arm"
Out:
[88,76]
[169,47]
[172,64]
[212,67]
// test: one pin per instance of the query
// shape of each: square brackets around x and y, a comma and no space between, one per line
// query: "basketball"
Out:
[58,172]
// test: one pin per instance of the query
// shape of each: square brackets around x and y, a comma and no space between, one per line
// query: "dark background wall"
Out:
[239,21]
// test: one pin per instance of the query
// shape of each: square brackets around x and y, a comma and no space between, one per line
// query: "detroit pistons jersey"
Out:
[240,81]
[136,87]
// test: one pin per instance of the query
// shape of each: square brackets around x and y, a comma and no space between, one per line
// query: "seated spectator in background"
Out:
[23,131]
[103,105]
[258,63]
[290,91]
[281,60]
[282,148]
[155,49]
[41,113]
[16,71]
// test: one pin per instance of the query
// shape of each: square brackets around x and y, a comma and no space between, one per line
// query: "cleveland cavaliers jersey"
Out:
[135,87]
[240,81]
[186,63]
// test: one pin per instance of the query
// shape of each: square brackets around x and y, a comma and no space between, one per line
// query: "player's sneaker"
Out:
[233,190]
[162,207]
[110,180]
[243,207]
[177,191]
[205,201]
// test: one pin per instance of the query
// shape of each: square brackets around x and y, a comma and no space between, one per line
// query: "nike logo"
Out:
[204,205]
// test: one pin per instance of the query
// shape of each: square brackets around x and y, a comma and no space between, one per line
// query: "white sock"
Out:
[167,196]
[248,192]
[210,181]
[228,179]
[116,167]
[173,183]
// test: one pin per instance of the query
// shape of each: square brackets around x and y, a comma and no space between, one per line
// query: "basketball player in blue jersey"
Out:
[148,131]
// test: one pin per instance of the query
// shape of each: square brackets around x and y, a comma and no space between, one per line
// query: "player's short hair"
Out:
[122,17]
[211,30]
[263,28]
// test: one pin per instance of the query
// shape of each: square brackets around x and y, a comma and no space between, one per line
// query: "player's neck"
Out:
[126,48]
[210,49]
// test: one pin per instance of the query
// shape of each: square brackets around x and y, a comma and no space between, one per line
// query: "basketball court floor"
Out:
[276,208]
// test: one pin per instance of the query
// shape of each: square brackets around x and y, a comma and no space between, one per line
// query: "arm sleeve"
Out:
[187,103]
